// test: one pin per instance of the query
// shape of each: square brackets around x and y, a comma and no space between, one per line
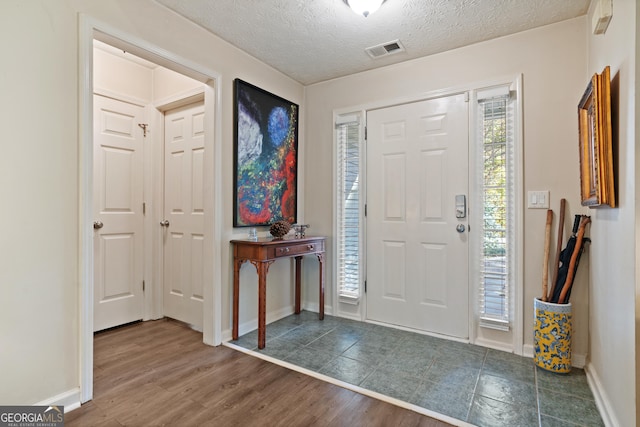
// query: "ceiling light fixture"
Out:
[364,7]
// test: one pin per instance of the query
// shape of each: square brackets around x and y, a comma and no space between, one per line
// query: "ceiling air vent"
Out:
[385,49]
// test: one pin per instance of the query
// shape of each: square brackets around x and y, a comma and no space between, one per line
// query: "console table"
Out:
[262,253]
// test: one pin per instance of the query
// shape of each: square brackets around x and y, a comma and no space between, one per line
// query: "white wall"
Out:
[134,79]
[39,227]
[168,84]
[39,177]
[552,61]
[613,253]
[119,76]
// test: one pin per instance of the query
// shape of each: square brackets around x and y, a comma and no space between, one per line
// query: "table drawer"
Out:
[297,249]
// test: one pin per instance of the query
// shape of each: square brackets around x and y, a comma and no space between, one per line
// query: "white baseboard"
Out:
[577,360]
[350,316]
[252,324]
[273,316]
[496,345]
[69,399]
[602,401]
[313,306]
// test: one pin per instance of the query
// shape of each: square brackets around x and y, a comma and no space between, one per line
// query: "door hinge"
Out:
[144,128]
[365,210]
[143,286]
[365,286]
[365,133]
[144,208]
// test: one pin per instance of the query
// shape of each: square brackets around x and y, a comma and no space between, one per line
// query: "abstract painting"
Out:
[265,157]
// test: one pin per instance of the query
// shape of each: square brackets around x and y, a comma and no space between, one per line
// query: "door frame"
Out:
[90,28]
[357,309]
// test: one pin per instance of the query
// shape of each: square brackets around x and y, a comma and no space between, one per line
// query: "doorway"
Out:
[135,134]
[212,334]
[417,223]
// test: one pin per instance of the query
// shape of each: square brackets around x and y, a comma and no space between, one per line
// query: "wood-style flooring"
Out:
[160,373]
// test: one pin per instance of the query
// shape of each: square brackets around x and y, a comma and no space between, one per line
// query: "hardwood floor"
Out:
[160,373]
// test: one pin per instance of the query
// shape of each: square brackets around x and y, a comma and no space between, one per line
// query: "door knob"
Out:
[164,223]
[460,228]
[97,225]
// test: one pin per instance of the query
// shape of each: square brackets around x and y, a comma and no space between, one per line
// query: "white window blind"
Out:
[496,134]
[348,140]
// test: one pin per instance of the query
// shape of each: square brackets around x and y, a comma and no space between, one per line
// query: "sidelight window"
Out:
[349,207]
[495,191]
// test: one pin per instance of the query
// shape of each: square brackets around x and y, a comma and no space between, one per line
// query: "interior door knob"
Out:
[97,225]
[164,223]
[460,228]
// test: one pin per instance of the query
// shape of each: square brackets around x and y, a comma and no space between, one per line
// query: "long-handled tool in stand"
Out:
[574,259]
[545,262]
[565,259]
[556,264]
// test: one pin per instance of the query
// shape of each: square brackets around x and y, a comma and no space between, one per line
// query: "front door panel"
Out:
[417,262]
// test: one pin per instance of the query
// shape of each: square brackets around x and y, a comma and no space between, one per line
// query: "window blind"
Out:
[348,137]
[495,128]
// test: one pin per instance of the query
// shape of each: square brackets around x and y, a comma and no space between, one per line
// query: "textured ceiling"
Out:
[316,40]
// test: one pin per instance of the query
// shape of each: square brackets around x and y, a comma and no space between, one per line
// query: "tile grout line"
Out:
[475,387]
[535,382]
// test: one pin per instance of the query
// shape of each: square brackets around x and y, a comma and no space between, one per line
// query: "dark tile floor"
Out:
[481,386]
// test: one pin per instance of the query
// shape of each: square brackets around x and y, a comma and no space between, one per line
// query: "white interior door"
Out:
[118,216]
[417,261]
[183,234]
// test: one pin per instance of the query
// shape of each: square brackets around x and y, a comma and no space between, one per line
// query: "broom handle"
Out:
[556,265]
[545,261]
[574,256]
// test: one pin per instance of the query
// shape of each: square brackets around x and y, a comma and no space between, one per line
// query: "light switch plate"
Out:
[538,199]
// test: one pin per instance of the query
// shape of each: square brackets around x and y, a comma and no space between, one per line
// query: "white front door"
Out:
[183,234]
[417,262]
[118,216]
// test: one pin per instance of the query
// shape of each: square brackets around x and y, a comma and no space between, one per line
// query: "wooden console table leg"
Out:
[236,295]
[321,280]
[263,269]
[262,306]
[297,289]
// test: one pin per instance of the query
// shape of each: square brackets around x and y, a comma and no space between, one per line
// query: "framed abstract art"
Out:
[265,157]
